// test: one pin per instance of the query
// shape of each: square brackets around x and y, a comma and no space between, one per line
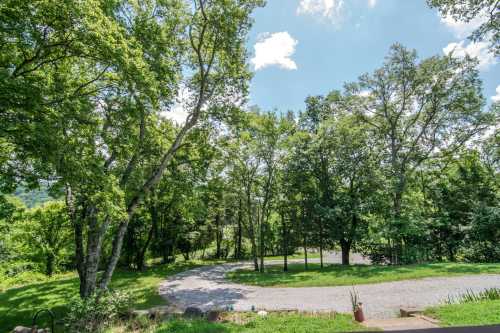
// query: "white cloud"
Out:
[477,50]
[496,98]
[372,3]
[178,112]
[331,10]
[274,49]
[463,29]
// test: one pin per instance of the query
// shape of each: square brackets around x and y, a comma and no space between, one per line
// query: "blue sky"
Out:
[309,47]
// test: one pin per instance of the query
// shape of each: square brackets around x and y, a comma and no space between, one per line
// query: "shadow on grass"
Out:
[194,326]
[18,305]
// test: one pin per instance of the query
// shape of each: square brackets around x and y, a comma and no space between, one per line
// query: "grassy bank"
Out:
[18,305]
[338,275]
[467,314]
[273,323]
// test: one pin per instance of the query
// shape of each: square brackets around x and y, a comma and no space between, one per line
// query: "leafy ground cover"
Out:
[338,275]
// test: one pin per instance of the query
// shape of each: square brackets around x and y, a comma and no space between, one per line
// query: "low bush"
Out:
[96,312]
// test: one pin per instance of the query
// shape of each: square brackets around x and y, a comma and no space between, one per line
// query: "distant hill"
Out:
[33,198]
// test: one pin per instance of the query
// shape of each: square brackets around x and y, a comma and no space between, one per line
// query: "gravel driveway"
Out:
[206,288]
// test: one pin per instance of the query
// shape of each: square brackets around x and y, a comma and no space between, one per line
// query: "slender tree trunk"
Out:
[142,252]
[304,241]
[260,217]
[254,254]
[239,233]
[321,242]
[252,232]
[285,243]
[218,236]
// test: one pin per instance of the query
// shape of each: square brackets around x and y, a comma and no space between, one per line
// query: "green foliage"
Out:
[470,296]
[468,10]
[94,313]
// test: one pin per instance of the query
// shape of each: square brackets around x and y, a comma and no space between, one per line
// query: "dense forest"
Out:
[401,165]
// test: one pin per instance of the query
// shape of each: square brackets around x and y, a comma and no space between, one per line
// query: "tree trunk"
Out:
[142,252]
[218,236]
[304,240]
[346,249]
[252,233]
[305,251]
[321,242]
[260,217]
[239,236]
[285,243]
[94,243]
[49,266]
[115,253]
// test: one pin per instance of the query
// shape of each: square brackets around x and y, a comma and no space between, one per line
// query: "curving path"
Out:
[206,288]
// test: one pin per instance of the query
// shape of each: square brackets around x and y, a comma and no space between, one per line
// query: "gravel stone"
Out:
[207,289]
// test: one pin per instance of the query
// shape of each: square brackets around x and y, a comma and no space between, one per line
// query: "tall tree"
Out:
[420,110]
[91,83]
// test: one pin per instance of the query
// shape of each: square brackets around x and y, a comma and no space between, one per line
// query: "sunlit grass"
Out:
[338,275]
[467,314]
[273,323]
[18,305]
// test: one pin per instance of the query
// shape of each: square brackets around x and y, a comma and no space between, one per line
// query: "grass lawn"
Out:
[18,305]
[338,275]
[467,314]
[273,323]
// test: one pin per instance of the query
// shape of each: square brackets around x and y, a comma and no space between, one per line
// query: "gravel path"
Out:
[207,288]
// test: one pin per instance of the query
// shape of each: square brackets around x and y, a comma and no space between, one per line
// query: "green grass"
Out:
[467,314]
[18,305]
[273,323]
[338,275]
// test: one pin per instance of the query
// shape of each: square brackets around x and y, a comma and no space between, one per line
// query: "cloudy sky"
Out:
[309,47]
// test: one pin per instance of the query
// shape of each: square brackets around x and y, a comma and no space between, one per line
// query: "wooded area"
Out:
[402,165]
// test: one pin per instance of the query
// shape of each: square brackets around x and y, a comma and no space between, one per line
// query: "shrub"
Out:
[94,313]
[471,297]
